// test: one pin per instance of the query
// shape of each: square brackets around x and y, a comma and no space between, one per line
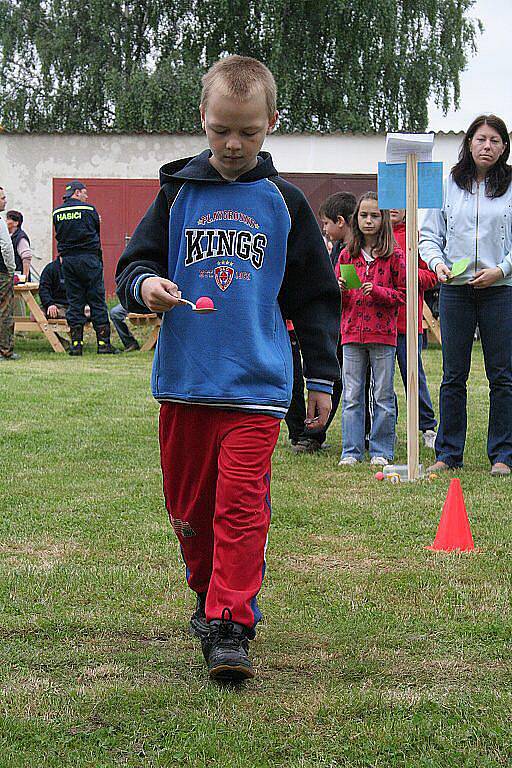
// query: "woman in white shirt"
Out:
[475,223]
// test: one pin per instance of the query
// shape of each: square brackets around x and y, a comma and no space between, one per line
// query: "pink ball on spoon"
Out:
[204,303]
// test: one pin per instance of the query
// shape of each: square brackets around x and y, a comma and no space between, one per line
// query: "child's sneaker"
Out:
[198,626]
[379,461]
[429,438]
[347,461]
[225,649]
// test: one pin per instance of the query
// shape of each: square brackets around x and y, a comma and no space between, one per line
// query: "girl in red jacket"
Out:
[426,281]
[369,331]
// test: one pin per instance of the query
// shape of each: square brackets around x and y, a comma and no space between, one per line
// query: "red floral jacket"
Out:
[372,319]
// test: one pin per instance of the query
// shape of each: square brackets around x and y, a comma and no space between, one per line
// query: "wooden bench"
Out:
[432,323]
[36,322]
[145,319]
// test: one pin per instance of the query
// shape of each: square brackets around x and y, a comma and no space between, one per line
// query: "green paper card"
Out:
[349,274]
[460,266]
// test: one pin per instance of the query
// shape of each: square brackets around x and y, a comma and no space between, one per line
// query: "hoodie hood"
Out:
[200,169]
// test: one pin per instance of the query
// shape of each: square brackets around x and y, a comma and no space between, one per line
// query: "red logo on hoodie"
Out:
[223,276]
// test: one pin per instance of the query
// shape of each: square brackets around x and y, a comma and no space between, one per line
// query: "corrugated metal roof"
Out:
[200,133]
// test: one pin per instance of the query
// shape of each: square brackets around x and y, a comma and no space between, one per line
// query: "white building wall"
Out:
[29,162]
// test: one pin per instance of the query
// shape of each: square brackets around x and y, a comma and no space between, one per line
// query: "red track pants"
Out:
[216,472]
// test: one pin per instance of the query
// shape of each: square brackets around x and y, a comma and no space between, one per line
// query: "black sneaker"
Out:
[225,649]
[198,626]
[133,346]
[306,445]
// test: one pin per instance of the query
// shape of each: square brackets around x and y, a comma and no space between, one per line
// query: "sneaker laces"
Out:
[229,637]
[226,626]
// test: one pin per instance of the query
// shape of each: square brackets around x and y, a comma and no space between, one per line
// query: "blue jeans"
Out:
[461,308]
[427,417]
[118,315]
[381,358]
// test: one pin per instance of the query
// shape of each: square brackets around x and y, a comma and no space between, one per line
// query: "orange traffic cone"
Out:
[453,531]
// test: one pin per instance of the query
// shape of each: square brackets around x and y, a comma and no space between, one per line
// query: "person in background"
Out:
[426,281]
[52,290]
[7,267]
[368,332]
[335,213]
[118,315]
[52,294]
[336,216]
[77,230]
[20,243]
[475,221]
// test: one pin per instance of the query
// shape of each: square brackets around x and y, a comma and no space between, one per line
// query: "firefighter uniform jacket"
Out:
[77,228]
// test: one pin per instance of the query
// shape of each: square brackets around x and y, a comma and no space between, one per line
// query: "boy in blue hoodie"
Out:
[227,226]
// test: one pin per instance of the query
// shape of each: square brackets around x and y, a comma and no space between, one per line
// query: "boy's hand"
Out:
[342,284]
[319,408]
[159,294]
[366,288]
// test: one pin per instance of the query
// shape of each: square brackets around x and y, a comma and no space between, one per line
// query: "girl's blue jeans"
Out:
[381,358]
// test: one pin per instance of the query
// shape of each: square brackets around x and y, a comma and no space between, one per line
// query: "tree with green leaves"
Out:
[135,65]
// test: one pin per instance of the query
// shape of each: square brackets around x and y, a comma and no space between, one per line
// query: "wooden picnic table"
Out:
[37,322]
[144,319]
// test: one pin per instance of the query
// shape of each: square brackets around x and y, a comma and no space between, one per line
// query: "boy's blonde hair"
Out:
[239,77]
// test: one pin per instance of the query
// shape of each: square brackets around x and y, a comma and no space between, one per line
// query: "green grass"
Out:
[374,651]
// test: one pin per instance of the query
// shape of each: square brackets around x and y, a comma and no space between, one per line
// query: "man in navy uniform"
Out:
[77,230]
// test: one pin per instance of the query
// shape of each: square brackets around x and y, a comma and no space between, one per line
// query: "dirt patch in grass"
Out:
[42,555]
[349,561]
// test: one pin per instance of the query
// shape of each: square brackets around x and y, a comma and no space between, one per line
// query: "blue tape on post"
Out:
[392,185]
[430,185]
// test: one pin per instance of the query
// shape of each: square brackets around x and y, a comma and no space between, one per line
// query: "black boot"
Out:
[77,340]
[103,337]
[226,650]
[198,626]
[65,343]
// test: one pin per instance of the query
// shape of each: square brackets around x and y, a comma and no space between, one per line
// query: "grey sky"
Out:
[486,84]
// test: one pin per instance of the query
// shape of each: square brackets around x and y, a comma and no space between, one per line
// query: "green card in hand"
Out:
[460,266]
[349,274]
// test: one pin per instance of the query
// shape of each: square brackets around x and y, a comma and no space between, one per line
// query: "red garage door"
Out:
[121,204]
[318,186]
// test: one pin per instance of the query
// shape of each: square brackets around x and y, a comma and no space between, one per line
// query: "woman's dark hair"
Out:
[499,175]
[385,244]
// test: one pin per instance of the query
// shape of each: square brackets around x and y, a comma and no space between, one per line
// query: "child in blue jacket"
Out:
[227,226]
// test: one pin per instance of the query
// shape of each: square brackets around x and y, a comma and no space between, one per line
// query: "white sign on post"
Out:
[399,145]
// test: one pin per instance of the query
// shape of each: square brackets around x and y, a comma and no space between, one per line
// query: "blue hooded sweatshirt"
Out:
[253,246]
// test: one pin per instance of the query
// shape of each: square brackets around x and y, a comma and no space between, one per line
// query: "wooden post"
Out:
[412,318]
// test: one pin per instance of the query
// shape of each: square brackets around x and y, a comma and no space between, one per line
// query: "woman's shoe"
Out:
[438,466]
[500,469]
